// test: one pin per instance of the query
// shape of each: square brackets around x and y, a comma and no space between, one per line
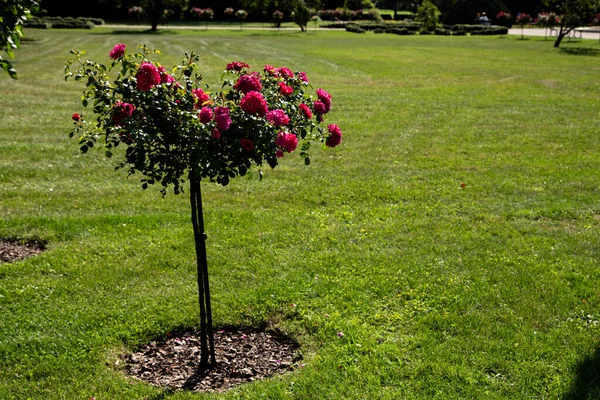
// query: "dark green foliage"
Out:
[442,32]
[354,28]
[491,30]
[63,23]
[13,13]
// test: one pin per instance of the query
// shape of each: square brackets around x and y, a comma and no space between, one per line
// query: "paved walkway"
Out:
[513,31]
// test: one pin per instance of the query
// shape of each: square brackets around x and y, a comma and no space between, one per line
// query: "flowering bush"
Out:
[277,18]
[170,124]
[228,12]
[504,19]
[172,129]
[546,19]
[203,13]
[523,19]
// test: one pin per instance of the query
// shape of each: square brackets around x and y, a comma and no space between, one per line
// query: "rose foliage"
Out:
[173,128]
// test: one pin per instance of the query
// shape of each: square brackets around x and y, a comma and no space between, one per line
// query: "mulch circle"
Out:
[243,355]
[14,249]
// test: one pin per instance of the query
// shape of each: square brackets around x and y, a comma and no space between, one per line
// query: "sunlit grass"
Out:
[484,291]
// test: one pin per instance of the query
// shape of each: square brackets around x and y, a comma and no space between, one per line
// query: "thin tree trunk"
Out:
[564,31]
[207,346]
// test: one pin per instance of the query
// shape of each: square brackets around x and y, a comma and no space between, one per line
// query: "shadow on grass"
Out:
[587,384]
[580,51]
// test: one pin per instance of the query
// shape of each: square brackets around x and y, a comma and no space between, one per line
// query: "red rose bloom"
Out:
[215,134]
[237,66]
[283,71]
[306,111]
[335,136]
[303,77]
[206,115]
[165,77]
[76,117]
[121,111]
[247,144]
[287,141]
[147,76]
[222,118]
[325,99]
[285,89]
[320,108]
[248,83]
[279,154]
[117,51]
[254,103]
[278,117]
[271,70]
[201,96]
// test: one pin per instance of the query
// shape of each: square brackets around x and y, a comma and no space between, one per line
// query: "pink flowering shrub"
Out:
[254,118]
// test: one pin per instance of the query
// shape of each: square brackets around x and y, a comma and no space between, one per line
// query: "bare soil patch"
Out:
[15,249]
[243,355]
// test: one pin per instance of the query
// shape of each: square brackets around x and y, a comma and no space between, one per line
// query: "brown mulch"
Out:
[243,355]
[19,249]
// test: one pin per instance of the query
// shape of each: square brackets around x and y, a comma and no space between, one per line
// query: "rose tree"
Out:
[173,129]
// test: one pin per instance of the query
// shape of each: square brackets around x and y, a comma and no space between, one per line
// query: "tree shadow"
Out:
[587,384]
[580,51]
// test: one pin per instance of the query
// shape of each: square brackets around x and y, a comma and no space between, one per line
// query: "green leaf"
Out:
[7,66]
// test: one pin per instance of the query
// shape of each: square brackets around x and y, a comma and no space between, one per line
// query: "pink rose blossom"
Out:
[215,134]
[76,117]
[287,141]
[201,96]
[278,117]
[165,77]
[237,66]
[279,154]
[303,77]
[206,115]
[283,71]
[306,111]
[147,76]
[222,118]
[247,144]
[117,52]
[325,99]
[121,111]
[271,70]
[335,136]
[320,108]
[285,89]
[254,103]
[248,83]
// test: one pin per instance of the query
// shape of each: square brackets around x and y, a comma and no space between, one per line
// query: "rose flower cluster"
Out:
[256,117]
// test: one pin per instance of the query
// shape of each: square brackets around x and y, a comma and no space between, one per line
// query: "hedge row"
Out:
[63,22]
[414,27]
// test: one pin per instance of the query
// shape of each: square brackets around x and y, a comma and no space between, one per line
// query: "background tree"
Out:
[428,15]
[12,15]
[301,15]
[575,13]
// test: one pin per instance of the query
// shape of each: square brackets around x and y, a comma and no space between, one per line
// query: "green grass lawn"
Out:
[491,291]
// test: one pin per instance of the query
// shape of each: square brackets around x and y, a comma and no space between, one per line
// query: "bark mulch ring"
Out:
[15,249]
[243,355]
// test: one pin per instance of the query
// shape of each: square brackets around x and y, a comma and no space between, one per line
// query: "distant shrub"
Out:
[493,30]
[354,28]
[458,33]
[442,32]
[62,22]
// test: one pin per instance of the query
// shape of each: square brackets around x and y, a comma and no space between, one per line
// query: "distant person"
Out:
[484,20]
[478,18]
